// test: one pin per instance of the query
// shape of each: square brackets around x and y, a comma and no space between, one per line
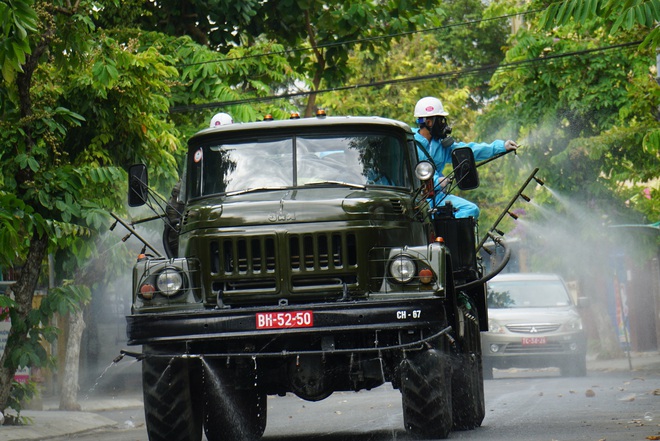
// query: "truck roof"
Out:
[306,123]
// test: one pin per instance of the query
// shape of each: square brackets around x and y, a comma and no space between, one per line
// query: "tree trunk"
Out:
[69,393]
[594,285]
[23,291]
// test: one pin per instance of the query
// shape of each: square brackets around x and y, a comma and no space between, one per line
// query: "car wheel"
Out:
[574,367]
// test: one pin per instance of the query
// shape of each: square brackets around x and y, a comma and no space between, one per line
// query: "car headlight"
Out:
[169,282]
[402,269]
[574,325]
[495,327]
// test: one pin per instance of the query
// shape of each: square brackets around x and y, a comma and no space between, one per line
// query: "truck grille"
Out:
[322,251]
[398,206]
[253,255]
[317,263]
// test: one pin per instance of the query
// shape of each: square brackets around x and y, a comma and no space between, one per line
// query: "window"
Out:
[263,164]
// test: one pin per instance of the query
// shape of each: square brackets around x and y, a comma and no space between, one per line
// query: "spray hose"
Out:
[499,240]
[414,345]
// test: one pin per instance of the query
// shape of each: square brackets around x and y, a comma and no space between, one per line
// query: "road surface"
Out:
[521,405]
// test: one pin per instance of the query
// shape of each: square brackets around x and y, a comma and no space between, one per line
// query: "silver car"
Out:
[533,322]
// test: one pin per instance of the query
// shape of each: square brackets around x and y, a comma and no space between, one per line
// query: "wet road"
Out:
[520,405]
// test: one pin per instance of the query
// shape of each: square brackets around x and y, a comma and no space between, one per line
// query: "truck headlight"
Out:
[402,269]
[424,171]
[169,282]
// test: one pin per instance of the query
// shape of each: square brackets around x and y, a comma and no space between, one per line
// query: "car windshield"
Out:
[527,294]
[272,163]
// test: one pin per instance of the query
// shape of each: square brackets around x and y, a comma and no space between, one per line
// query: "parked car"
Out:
[533,322]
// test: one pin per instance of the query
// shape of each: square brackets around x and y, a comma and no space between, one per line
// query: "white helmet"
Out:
[429,106]
[221,119]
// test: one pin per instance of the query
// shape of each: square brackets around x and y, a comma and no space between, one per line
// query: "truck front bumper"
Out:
[239,324]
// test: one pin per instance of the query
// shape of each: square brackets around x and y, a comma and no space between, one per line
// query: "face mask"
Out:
[440,129]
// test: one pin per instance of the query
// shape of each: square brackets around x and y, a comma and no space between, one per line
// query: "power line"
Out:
[468,71]
[363,40]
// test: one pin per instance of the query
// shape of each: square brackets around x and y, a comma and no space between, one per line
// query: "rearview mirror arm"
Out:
[135,233]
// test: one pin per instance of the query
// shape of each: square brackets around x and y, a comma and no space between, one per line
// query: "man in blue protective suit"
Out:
[434,134]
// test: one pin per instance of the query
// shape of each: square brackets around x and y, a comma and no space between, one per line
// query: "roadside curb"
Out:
[639,361]
[54,424]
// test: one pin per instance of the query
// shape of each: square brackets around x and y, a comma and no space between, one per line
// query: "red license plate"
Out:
[285,320]
[533,341]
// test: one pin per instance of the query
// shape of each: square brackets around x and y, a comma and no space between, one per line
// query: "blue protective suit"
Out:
[442,155]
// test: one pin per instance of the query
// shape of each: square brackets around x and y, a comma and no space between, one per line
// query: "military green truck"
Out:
[306,256]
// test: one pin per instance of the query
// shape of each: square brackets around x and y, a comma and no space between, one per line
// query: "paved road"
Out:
[520,405]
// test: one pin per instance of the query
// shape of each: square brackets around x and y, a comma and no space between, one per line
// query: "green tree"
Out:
[320,35]
[631,173]
[585,103]
[315,36]
[426,62]
[81,101]
[584,100]
[55,185]
[617,15]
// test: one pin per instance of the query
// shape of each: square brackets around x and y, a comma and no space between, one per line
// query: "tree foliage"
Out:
[62,168]
[585,104]
[617,15]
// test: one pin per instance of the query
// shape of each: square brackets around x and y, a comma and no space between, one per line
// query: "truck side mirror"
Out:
[465,169]
[138,185]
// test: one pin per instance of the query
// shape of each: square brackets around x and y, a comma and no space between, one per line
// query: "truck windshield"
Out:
[361,160]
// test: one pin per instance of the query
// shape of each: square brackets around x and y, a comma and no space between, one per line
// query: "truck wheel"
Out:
[468,408]
[426,395]
[230,413]
[169,408]
[468,379]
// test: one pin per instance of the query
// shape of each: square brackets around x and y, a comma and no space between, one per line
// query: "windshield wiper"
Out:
[343,184]
[252,190]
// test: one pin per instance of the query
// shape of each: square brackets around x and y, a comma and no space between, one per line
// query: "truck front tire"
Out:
[426,394]
[170,410]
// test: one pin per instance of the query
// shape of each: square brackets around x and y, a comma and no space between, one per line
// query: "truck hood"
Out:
[317,204]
